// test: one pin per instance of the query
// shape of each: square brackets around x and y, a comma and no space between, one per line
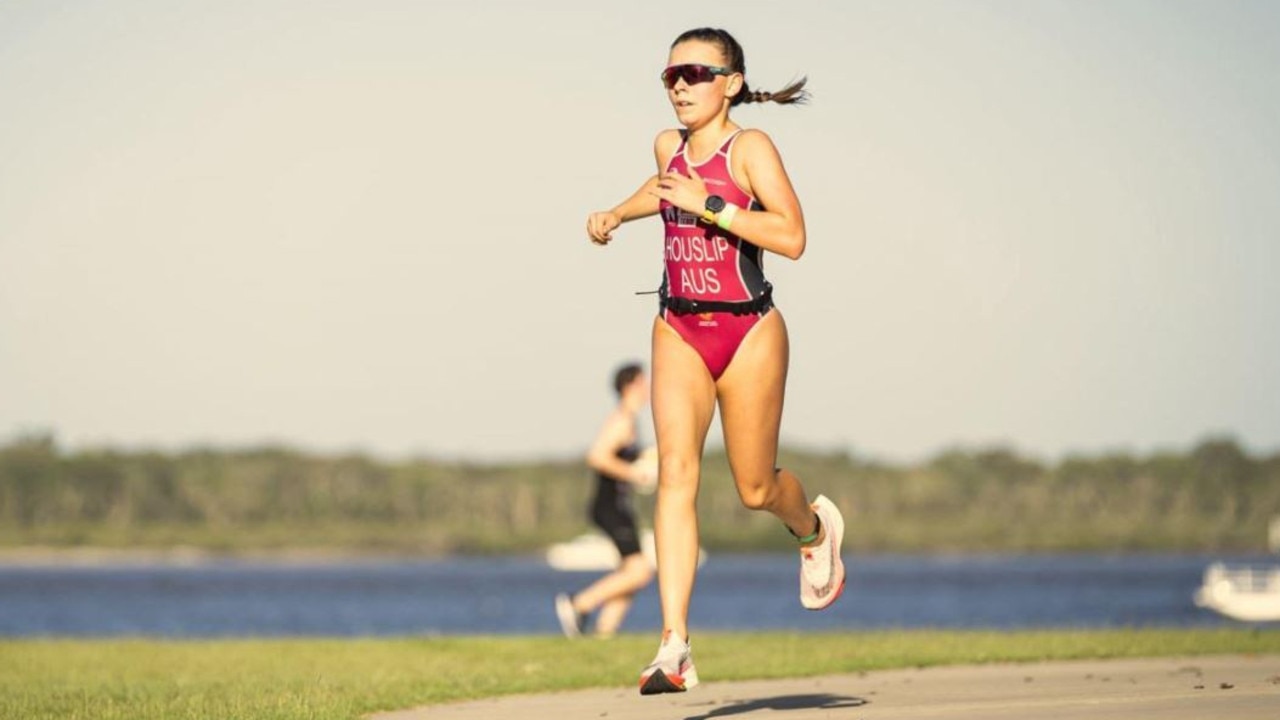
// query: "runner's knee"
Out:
[676,472]
[759,492]
[640,572]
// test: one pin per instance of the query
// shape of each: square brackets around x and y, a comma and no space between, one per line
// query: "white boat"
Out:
[1243,592]
[594,551]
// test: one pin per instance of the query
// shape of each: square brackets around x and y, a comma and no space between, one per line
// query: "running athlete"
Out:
[718,339]
[613,457]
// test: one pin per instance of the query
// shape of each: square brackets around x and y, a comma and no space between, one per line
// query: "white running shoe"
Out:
[571,621]
[671,670]
[821,569]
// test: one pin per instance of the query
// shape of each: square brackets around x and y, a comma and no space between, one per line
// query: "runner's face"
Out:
[696,104]
[638,390]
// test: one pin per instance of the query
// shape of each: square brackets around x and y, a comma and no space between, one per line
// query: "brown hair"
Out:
[626,375]
[793,94]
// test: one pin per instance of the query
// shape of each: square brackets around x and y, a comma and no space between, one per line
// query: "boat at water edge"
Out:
[594,552]
[1241,592]
[1249,593]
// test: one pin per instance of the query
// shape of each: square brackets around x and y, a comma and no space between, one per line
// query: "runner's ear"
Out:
[732,86]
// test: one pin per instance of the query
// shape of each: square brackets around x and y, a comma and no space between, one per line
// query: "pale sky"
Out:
[359,225]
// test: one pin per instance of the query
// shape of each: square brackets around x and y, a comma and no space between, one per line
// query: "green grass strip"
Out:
[323,679]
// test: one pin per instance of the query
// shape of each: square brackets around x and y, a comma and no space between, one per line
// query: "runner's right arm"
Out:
[642,203]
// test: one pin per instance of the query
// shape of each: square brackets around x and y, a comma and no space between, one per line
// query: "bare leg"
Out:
[683,403]
[612,613]
[632,575]
[751,394]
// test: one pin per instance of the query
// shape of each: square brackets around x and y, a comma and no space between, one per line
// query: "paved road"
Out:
[1205,688]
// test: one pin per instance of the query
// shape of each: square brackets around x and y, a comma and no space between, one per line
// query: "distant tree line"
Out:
[1213,497]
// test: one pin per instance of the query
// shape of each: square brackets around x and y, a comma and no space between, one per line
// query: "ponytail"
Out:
[793,94]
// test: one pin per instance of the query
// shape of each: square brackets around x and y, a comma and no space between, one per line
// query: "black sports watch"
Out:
[715,204]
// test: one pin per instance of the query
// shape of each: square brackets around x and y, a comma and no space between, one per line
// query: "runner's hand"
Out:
[600,226]
[644,476]
[687,193]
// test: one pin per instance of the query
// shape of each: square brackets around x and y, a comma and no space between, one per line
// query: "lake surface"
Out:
[513,595]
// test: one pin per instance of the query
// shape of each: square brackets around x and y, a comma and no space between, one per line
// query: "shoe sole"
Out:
[834,597]
[838,569]
[659,683]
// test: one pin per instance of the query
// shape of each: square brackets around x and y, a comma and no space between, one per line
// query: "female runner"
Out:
[724,198]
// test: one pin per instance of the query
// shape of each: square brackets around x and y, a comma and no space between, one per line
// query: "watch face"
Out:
[715,203]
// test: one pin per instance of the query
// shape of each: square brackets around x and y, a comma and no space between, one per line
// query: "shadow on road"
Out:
[812,701]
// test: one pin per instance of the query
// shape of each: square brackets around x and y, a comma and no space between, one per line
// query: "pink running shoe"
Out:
[671,670]
[821,569]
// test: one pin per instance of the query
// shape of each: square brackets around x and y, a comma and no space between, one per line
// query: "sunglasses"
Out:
[692,74]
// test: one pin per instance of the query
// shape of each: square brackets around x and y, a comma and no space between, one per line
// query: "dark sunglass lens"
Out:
[691,74]
[694,74]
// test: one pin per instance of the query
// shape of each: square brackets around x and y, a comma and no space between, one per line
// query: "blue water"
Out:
[513,595]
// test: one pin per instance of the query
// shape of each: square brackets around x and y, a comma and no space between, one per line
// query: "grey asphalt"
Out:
[1233,687]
